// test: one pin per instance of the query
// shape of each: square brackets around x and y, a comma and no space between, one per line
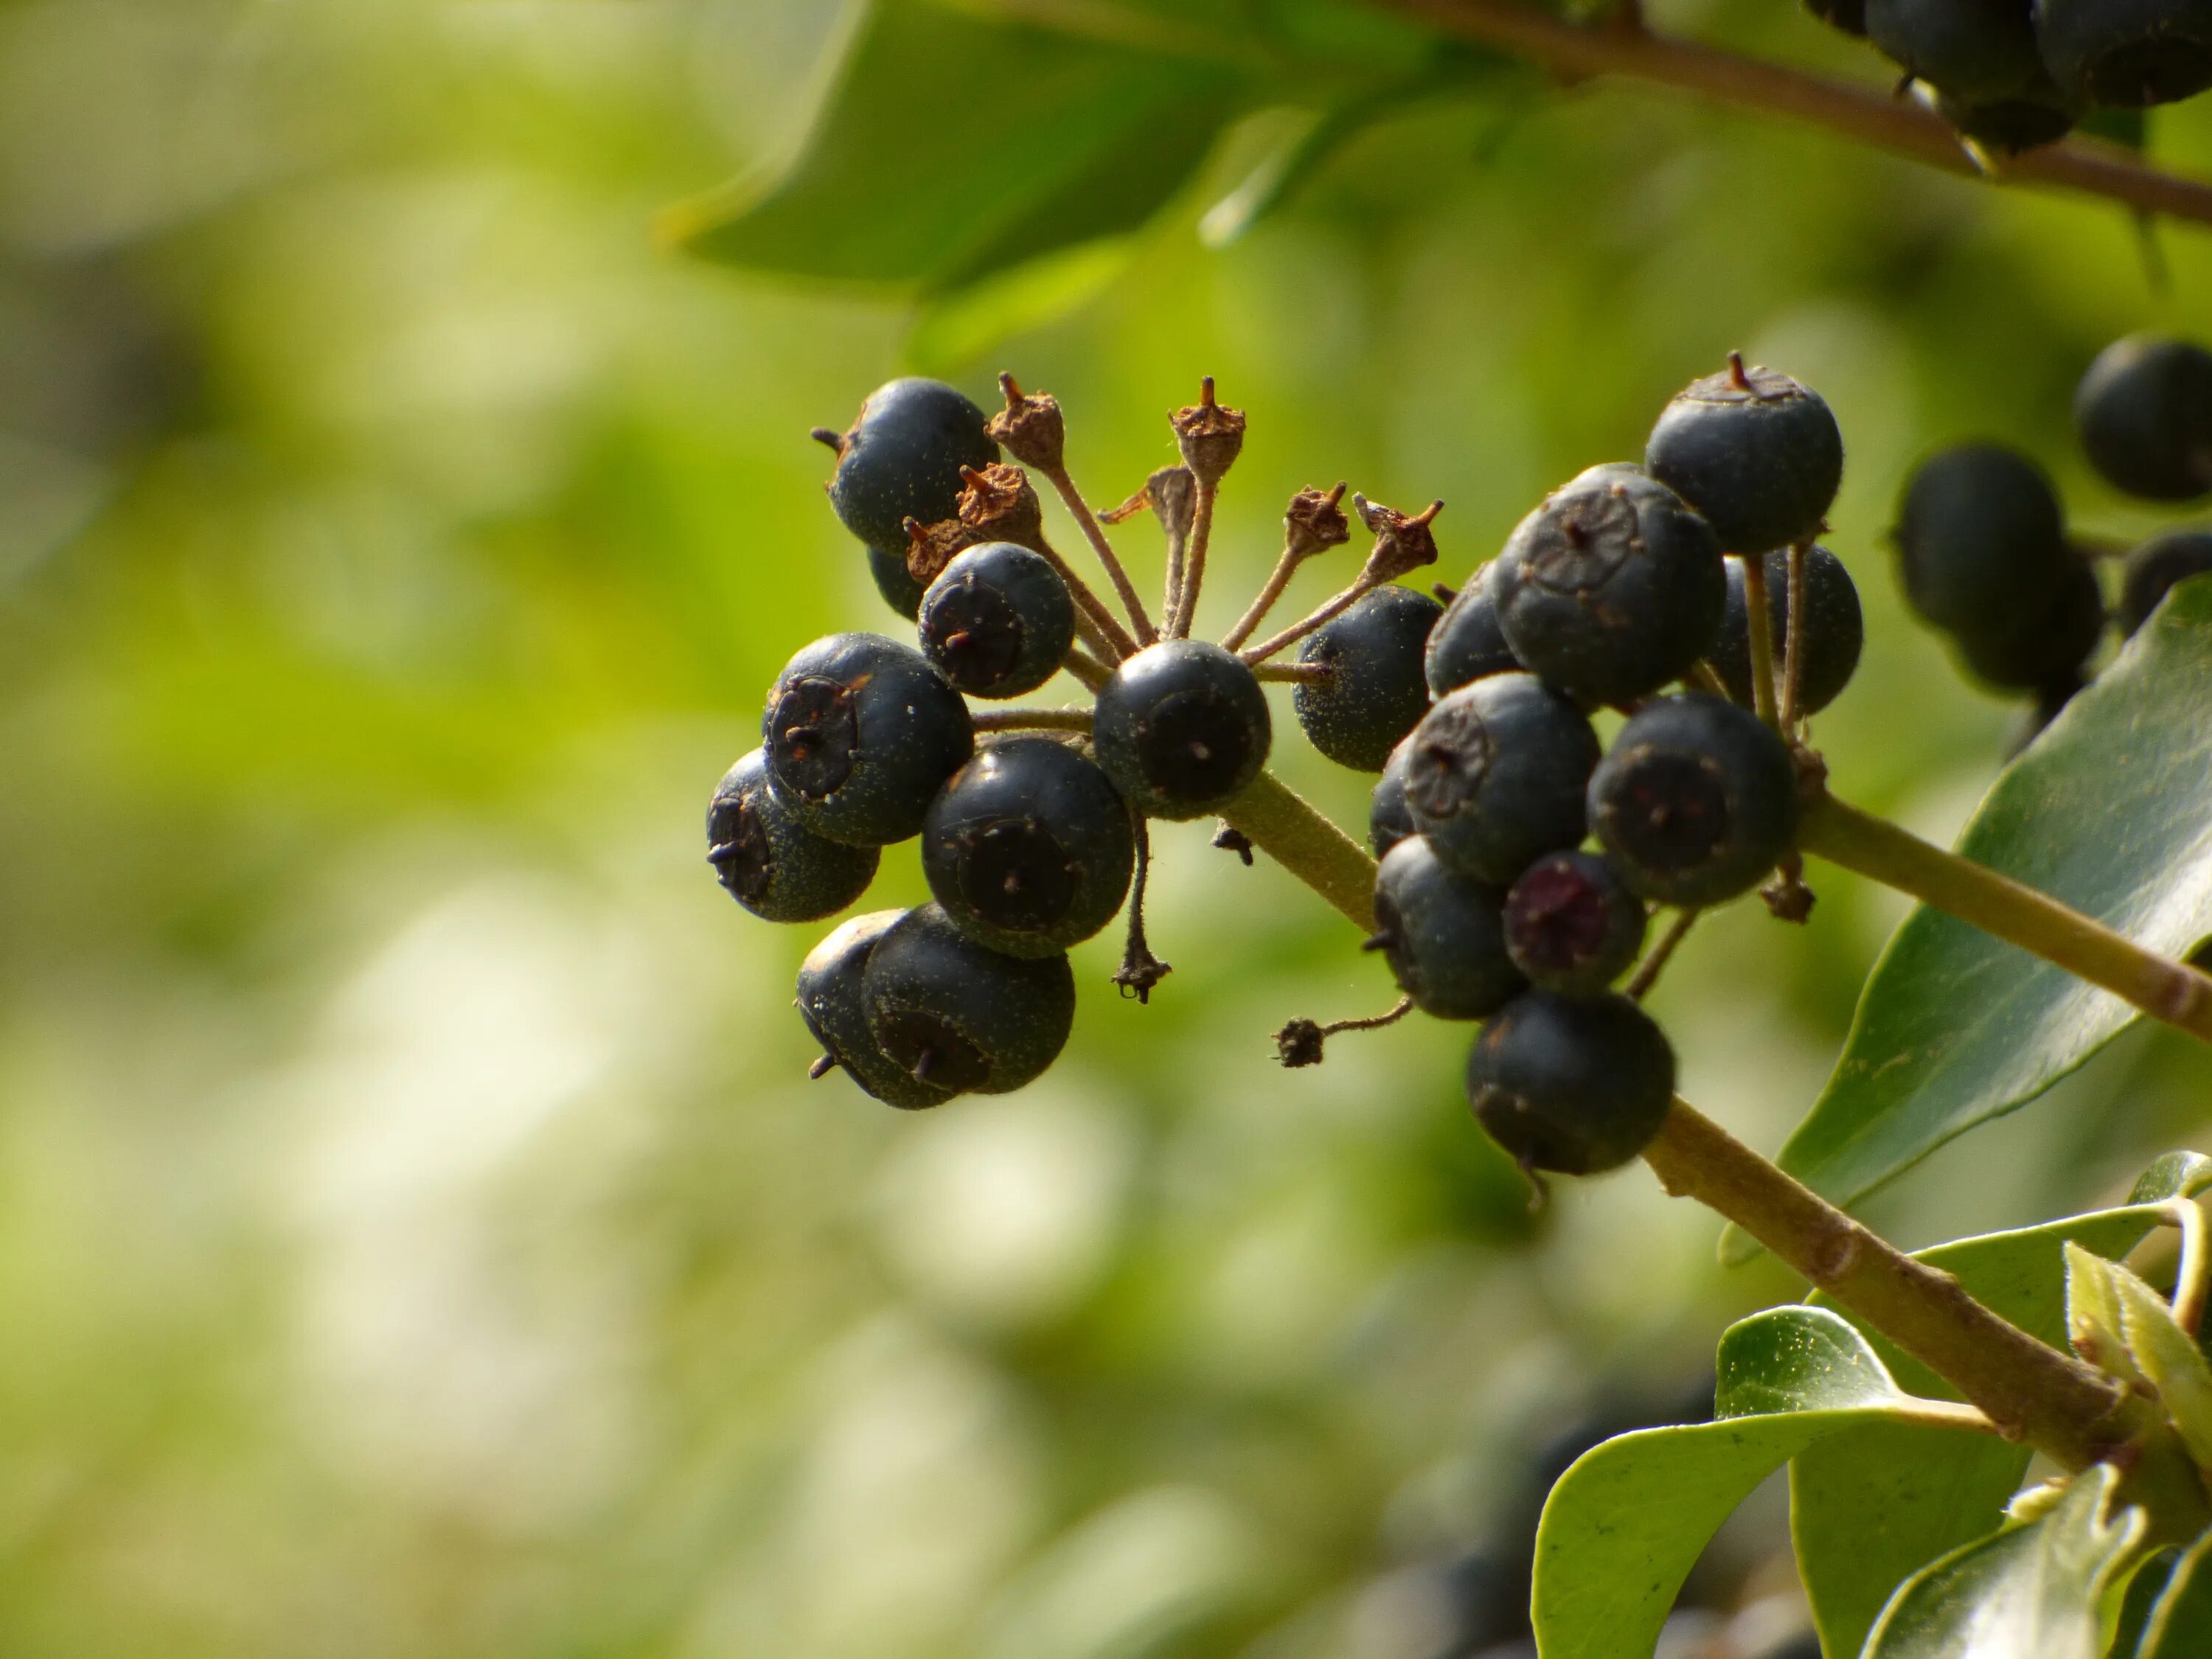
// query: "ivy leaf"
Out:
[1873,1504]
[2168,1357]
[2110,810]
[2181,1622]
[2036,1589]
[956,146]
[1626,1522]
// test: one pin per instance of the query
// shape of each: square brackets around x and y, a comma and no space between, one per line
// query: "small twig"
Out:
[1124,589]
[1654,960]
[1327,611]
[1191,577]
[1761,628]
[1300,1042]
[1403,541]
[1031,719]
[1307,673]
[1106,634]
[1140,970]
[1035,432]
[1210,437]
[1793,635]
[1582,52]
[1081,666]
[1701,678]
[1314,522]
[2189,1285]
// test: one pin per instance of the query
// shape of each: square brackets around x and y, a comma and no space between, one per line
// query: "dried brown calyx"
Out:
[1210,434]
[1401,543]
[930,547]
[999,505]
[1031,428]
[1315,523]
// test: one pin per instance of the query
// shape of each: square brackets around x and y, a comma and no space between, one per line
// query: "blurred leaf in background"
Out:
[417,1236]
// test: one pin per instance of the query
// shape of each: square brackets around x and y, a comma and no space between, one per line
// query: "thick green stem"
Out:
[2160,987]
[1285,826]
[2033,1392]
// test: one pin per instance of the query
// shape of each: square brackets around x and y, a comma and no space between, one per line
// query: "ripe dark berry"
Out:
[998,621]
[1441,934]
[1029,848]
[2049,647]
[1574,1084]
[1389,820]
[1181,728]
[1466,643]
[1695,801]
[1571,924]
[1374,693]
[1981,541]
[960,1017]
[860,733]
[772,865]
[1611,588]
[2144,410]
[830,1002]
[894,581]
[2128,53]
[1975,50]
[1495,775]
[1849,16]
[1828,647]
[1758,454]
[2155,567]
[902,457]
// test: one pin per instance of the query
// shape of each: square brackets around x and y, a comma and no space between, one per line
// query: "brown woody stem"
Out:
[1124,589]
[2087,166]
[1031,719]
[1328,611]
[2012,911]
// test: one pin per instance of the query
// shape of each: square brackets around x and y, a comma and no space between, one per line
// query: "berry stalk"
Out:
[1190,570]
[1124,589]
[1761,627]
[2162,987]
[1793,644]
[1031,719]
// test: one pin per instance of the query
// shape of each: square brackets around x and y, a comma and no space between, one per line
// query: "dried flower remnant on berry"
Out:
[1210,434]
[999,504]
[1314,522]
[1031,428]
[1402,542]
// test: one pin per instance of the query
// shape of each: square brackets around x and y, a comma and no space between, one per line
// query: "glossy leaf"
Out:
[1875,1503]
[2181,1623]
[2110,810]
[2094,1314]
[2168,1358]
[2037,1588]
[955,146]
[1627,1522]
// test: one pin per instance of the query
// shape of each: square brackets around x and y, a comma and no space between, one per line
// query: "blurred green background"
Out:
[417,1234]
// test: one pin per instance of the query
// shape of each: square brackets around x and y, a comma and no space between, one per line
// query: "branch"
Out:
[2085,165]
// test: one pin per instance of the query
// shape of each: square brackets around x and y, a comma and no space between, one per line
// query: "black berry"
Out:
[1467,643]
[1441,934]
[1976,51]
[2144,410]
[1571,924]
[1374,693]
[1758,454]
[2155,567]
[772,865]
[960,1017]
[1849,16]
[1181,728]
[861,732]
[1834,630]
[2128,53]
[1695,801]
[1029,848]
[2047,648]
[894,580]
[1389,820]
[830,1002]
[901,460]
[1573,1084]
[1981,541]
[1611,588]
[998,621]
[1495,775]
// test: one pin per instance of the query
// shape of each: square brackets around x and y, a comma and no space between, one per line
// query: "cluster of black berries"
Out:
[1982,540]
[2014,73]
[1626,581]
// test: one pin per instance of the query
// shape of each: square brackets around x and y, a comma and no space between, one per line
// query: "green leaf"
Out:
[1875,1503]
[2036,1590]
[954,147]
[1627,1522]
[2169,1357]
[2093,1314]
[2110,810]
[2181,1624]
